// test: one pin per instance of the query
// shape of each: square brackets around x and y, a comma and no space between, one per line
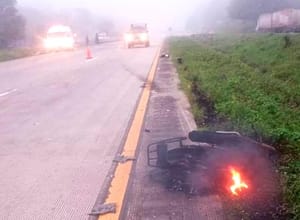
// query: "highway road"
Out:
[62,121]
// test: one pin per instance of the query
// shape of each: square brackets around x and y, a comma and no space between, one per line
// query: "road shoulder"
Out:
[168,116]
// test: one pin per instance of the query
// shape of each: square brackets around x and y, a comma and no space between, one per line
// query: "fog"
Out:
[115,16]
[158,14]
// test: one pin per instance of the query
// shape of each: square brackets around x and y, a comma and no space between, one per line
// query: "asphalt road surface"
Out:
[62,120]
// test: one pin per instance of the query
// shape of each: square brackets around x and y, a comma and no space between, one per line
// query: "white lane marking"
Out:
[8,92]
[91,59]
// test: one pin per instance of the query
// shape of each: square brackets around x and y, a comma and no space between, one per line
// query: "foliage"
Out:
[253,80]
[12,25]
[7,3]
[9,54]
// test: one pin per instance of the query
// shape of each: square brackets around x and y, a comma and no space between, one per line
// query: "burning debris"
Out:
[223,163]
[238,183]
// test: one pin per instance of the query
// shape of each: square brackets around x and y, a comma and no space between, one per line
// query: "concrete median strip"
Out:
[122,173]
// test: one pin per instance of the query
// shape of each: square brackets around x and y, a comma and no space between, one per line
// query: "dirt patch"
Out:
[210,116]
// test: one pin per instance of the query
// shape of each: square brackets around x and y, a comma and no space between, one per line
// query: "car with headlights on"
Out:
[59,37]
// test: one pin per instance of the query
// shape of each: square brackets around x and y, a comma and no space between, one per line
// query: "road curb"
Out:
[118,181]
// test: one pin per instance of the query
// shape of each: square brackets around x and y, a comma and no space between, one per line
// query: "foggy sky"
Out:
[155,12]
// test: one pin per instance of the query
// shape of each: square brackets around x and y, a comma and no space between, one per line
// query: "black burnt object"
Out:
[179,60]
[203,165]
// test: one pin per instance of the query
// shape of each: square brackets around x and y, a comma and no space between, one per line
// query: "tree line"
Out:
[235,14]
[27,26]
[12,24]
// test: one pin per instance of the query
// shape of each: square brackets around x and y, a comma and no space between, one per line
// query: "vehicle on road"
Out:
[137,35]
[59,37]
[101,37]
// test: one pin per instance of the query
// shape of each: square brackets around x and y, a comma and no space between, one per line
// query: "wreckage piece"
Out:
[123,159]
[157,153]
[170,152]
[104,209]
[228,139]
[202,164]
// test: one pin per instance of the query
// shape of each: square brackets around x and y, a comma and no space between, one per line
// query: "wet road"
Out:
[62,120]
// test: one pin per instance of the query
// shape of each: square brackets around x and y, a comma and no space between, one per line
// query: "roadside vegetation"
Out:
[249,83]
[10,54]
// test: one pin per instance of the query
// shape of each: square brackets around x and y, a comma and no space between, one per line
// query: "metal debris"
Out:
[164,55]
[179,60]
[123,159]
[104,209]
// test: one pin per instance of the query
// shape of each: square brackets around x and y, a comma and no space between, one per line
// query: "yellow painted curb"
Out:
[120,181]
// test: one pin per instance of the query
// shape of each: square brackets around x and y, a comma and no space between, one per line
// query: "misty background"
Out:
[30,19]
[114,16]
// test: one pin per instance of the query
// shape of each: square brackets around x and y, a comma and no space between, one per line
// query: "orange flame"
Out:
[238,184]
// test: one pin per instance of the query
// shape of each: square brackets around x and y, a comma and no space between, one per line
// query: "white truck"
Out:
[287,20]
[137,35]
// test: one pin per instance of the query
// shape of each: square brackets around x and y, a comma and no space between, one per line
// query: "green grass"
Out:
[10,54]
[254,82]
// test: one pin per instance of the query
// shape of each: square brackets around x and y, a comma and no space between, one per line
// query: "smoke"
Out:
[206,169]
[209,16]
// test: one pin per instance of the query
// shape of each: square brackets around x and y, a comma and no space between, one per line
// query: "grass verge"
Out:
[252,83]
[10,54]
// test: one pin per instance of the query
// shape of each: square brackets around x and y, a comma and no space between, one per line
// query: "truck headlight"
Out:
[144,37]
[128,37]
[50,43]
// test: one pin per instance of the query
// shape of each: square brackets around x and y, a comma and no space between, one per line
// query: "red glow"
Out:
[238,184]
